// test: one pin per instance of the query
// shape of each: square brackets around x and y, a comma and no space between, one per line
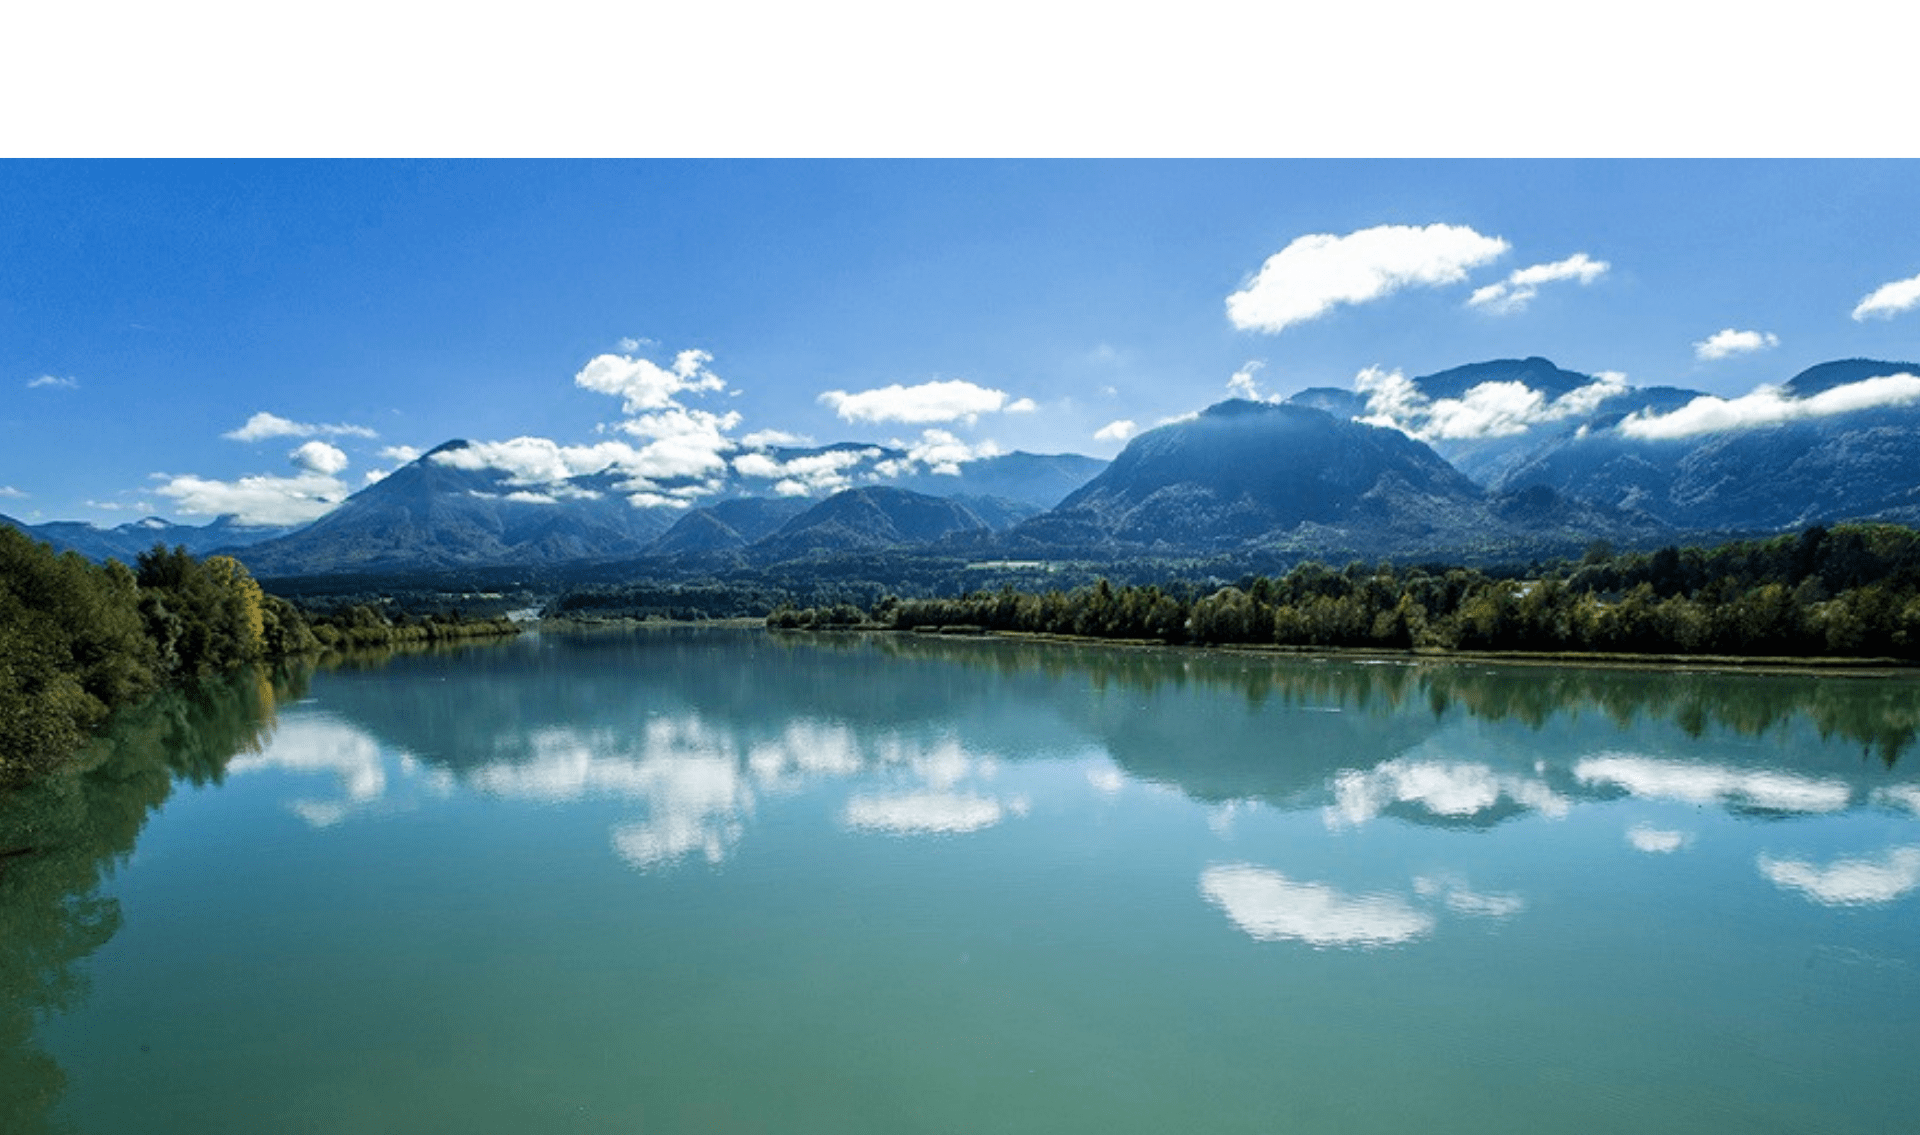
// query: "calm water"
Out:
[724,881]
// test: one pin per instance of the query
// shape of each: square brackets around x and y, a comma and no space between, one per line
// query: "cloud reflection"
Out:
[1453,789]
[1656,841]
[1655,779]
[1461,899]
[1270,907]
[920,813]
[321,744]
[1848,882]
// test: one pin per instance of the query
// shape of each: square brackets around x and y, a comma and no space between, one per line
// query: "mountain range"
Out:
[1507,457]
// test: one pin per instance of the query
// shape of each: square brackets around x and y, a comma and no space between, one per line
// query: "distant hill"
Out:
[727,526]
[868,519]
[1859,465]
[124,542]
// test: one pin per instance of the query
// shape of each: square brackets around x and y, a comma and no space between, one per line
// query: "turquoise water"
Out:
[727,881]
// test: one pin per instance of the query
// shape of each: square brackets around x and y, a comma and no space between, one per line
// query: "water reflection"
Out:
[1656,841]
[62,836]
[1271,907]
[1693,783]
[1849,882]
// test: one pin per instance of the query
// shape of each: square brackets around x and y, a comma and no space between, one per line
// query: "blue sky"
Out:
[375,308]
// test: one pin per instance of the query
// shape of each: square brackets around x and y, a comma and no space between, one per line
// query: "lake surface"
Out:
[687,880]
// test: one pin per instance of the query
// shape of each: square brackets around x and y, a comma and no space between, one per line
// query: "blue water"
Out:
[727,881]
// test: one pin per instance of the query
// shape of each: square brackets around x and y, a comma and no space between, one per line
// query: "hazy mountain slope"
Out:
[868,519]
[1861,464]
[428,514]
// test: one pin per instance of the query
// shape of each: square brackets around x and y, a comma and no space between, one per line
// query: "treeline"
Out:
[1849,591]
[79,639]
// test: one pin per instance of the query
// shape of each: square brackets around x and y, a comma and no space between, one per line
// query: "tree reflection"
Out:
[61,836]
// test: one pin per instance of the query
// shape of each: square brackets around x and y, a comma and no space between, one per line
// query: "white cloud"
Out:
[685,443]
[1244,385]
[940,452]
[922,813]
[11,493]
[1728,342]
[400,453]
[1889,300]
[1491,409]
[1270,908]
[808,474]
[258,500]
[537,460]
[1693,783]
[643,384]
[774,439]
[952,400]
[264,425]
[1315,273]
[1022,406]
[1522,285]
[1848,882]
[319,457]
[1656,841]
[48,381]
[1120,430]
[1772,406]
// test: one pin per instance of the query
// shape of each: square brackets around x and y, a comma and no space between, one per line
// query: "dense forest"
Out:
[1850,591]
[79,639]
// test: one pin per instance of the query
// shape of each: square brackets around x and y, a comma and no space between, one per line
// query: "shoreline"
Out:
[1755,664]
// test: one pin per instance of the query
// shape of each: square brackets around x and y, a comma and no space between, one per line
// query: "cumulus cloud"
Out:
[951,400]
[1244,385]
[1694,783]
[808,474]
[1772,406]
[1848,882]
[1270,907]
[257,500]
[773,439]
[264,425]
[1724,343]
[1889,300]
[54,382]
[1318,272]
[400,453]
[937,451]
[645,385]
[319,457]
[1521,286]
[536,460]
[1491,409]
[1121,430]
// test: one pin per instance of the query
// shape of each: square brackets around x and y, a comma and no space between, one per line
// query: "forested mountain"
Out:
[1763,477]
[430,514]
[1509,457]
[867,519]
[1249,474]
